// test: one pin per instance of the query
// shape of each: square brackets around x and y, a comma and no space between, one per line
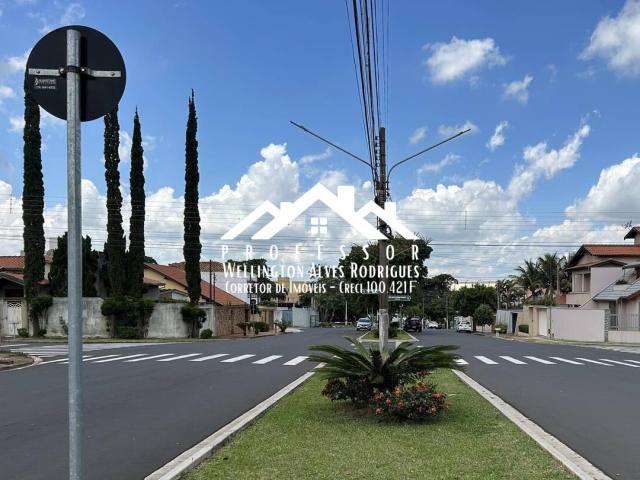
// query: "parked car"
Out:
[413,324]
[432,324]
[464,327]
[363,324]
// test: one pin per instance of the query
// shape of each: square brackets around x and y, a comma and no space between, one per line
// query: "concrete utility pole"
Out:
[381,198]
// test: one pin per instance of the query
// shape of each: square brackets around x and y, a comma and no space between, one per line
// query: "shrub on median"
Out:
[417,401]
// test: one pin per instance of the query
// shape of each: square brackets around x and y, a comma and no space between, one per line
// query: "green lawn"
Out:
[402,336]
[307,437]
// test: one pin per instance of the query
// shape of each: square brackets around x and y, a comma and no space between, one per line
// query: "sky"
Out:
[549,90]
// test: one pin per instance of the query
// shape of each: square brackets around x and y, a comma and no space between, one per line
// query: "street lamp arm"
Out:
[427,149]
[301,127]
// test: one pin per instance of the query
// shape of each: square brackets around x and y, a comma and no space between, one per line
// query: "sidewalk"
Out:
[536,339]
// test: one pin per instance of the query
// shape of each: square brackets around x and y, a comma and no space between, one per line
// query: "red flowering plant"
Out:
[416,401]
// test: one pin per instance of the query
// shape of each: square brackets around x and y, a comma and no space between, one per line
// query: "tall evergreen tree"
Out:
[135,257]
[115,246]
[192,246]
[58,271]
[32,198]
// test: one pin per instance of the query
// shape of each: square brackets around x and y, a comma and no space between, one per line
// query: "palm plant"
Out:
[529,278]
[381,369]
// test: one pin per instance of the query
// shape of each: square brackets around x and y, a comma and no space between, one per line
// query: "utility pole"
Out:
[210,279]
[381,198]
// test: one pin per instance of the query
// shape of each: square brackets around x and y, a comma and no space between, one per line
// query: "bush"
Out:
[38,307]
[195,316]
[365,369]
[283,325]
[523,328]
[260,327]
[418,401]
[393,332]
[484,315]
[128,312]
[127,332]
[244,326]
[42,332]
[206,333]
[23,332]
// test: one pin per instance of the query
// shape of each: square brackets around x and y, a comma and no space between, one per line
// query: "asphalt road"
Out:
[145,404]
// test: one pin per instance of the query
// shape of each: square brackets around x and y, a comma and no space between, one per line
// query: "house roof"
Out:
[617,291]
[604,250]
[15,262]
[204,266]
[148,281]
[179,276]
[598,263]
[632,233]
[13,277]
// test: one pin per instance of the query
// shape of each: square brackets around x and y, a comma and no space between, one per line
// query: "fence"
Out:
[624,322]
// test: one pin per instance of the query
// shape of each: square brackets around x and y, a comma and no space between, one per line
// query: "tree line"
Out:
[118,268]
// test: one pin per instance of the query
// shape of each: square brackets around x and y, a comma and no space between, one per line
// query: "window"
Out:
[318,226]
[581,283]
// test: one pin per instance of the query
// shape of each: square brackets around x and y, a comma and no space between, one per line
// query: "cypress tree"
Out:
[115,246]
[192,246]
[135,257]
[32,199]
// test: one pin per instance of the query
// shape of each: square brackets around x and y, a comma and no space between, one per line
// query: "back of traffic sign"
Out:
[102,73]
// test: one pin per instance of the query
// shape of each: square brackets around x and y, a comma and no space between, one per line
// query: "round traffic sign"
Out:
[102,73]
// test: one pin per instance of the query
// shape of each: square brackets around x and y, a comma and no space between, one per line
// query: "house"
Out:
[607,277]
[174,285]
[230,281]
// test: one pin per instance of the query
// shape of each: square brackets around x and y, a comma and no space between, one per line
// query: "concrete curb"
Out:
[575,463]
[36,361]
[191,458]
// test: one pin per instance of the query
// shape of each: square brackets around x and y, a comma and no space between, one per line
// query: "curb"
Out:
[36,361]
[575,463]
[191,458]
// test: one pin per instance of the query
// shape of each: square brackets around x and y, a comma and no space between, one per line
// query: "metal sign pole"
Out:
[74,256]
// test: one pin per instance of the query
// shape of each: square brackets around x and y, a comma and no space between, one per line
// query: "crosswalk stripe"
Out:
[54,361]
[620,363]
[633,361]
[11,345]
[210,357]
[268,359]
[171,359]
[296,361]
[319,366]
[513,360]
[594,361]
[237,359]
[119,357]
[540,360]
[149,358]
[486,360]
[97,358]
[460,361]
[572,362]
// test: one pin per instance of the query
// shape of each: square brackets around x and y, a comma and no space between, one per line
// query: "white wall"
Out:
[624,336]
[577,324]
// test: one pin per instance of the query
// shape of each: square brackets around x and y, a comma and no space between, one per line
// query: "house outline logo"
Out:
[342,204]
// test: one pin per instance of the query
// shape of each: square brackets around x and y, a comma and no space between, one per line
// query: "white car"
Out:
[464,327]
[432,324]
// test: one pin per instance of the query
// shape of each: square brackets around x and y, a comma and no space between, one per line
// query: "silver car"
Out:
[363,324]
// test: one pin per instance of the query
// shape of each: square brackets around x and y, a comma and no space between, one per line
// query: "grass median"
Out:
[402,336]
[306,436]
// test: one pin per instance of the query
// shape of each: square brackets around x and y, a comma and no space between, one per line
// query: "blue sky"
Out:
[547,71]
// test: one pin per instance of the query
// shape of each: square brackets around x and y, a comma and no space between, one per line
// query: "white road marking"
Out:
[210,357]
[120,358]
[54,361]
[460,361]
[271,358]
[149,358]
[237,359]
[13,345]
[560,359]
[620,363]
[296,361]
[513,360]
[594,361]
[633,361]
[319,366]
[97,358]
[171,359]
[540,360]
[486,360]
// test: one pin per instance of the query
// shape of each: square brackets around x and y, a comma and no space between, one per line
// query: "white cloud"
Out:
[449,159]
[614,197]
[17,124]
[497,139]
[14,64]
[418,135]
[307,159]
[542,162]
[617,40]
[6,92]
[518,89]
[459,58]
[450,130]
[68,15]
